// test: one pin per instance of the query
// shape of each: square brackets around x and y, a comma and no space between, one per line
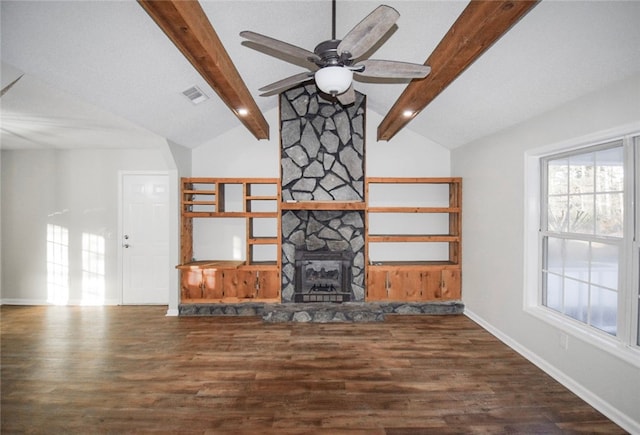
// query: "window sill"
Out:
[601,340]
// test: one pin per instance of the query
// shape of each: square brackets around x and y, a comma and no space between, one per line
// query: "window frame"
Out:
[626,344]
[567,235]
[634,242]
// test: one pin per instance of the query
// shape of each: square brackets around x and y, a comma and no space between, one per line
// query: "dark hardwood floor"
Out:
[131,369]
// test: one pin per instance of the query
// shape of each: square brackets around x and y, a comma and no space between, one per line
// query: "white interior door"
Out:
[145,239]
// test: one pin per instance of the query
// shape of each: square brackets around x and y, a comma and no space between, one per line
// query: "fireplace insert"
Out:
[323,276]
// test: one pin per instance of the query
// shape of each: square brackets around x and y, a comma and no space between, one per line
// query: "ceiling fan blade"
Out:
[280,46]
[368,31]
[284,84]
[347,97]
[392,69]
[6,88]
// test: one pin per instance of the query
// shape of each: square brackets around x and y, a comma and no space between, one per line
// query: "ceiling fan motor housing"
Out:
[327,51]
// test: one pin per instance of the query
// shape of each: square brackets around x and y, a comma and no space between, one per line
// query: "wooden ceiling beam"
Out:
[481,24]
[187,26]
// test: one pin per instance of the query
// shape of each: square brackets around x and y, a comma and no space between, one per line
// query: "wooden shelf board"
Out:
[261,265]
[261,198]
[229,180]
[416,263]
[261,214]
[263,241]
[199,192]
[220,214]
[413,180]
[323,205]
[413,238]
[199,202]
[210,264]
[403,209]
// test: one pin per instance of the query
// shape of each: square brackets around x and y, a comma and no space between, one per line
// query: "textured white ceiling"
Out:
[103,66]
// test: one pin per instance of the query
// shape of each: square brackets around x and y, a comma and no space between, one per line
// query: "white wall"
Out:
[238,154]
[493,248]
[406,155]
[75,189]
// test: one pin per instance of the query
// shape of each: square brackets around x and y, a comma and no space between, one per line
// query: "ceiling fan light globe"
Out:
[333,80]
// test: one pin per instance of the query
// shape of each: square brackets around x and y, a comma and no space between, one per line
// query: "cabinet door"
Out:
[239,283]
[451,284]
[443,284]
[377,285]
[268,284]
[191,284]
[431,282]
[405,285]
[212,284]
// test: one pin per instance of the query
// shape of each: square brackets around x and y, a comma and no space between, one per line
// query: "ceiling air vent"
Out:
[195,95]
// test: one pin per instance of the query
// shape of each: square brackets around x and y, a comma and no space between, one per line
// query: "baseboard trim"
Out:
[24,302]
[620,418]
[73,303]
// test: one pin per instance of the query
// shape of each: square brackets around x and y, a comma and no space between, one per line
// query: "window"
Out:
[583,234]
[589,257]
[57,264]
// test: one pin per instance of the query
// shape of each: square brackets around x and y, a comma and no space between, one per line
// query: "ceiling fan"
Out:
[334,62]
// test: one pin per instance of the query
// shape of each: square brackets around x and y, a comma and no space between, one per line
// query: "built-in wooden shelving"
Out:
[259,279]
[415,280]
[254,199]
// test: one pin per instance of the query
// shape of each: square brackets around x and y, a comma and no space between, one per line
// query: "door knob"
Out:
[126,245]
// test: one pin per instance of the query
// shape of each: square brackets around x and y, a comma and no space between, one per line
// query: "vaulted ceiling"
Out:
[98,73]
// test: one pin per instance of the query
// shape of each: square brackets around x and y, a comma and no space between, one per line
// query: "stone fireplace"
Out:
[320,234]
[322,161]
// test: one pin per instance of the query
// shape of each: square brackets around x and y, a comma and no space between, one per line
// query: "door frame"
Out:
[172,206]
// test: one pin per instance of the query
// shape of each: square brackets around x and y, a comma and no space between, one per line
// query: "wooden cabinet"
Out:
[255,278]
[243,283]
[413,283]
[203,280]
[228,281]
[421,218]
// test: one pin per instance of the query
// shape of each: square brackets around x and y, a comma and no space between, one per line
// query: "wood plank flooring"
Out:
[131,369]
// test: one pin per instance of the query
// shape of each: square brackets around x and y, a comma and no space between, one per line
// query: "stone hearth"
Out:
[323,312]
